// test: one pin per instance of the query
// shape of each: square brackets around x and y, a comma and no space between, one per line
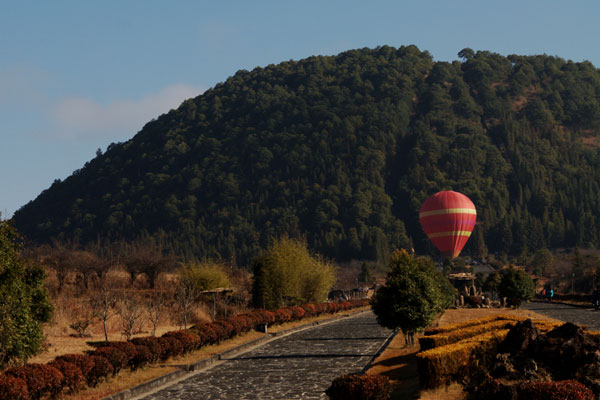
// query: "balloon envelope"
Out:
[448,218]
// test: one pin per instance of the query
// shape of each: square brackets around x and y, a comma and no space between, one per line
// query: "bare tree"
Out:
[104,300]
[130,310]
[154,304]
[186,296]
[84,317]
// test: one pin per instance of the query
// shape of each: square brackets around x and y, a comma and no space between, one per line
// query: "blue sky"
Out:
[78,75]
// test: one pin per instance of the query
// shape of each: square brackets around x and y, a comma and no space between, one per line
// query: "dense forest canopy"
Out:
[343,150]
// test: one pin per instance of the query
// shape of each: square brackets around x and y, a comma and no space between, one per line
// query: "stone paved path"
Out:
[576,315]
[298,366]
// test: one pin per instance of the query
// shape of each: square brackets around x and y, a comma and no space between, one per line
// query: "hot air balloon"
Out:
[448,218]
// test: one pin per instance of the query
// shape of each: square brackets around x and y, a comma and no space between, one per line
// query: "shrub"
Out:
[84,362]
[469,323]
[188,339]
[143,356]
[429,342]
[152,343]
[558,390]
[227,328]
[286,273]
[207,333]
[261,316]
[220,331]
[127,348]
[175,346]
[42,380]
[442,364]
[322,307]
[359,387]
[283,315]
[297,312]
[100,370]
[117,358]
[240,324]
[204,276]
[309,309]
[73,378]
[12,388]
[246,322]
[516,286]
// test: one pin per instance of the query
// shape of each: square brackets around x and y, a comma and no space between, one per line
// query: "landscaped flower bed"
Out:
[534,359]
[70,372]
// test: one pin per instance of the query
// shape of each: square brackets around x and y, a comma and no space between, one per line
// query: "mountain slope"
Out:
[343,149]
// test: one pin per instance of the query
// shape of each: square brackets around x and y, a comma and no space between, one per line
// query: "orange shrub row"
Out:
[71,371]
[472,322]
[442,364]
[442,339]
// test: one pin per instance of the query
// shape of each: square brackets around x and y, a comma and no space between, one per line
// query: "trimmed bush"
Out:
[41,380]
[84,362]
[228,329]
[12,388]
[220,330]
[127,348]
[188,339]
[117,358]
[469,323]
[298,312]
[207,333]
[442,364]
[73,378]
[143,356]
[283,315]
[359,387]
[430,342]
[101,370]
[310,309]
[175,346]
[34,381]
[152,343]
[322,307]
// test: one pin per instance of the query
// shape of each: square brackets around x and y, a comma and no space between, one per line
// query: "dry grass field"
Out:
[399,363]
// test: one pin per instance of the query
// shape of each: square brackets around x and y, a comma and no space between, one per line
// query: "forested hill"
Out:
[343,150]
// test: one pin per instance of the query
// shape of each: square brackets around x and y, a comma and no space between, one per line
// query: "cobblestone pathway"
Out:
[298,366]
[576,315]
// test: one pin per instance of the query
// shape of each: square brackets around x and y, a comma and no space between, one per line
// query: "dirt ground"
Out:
[399,362]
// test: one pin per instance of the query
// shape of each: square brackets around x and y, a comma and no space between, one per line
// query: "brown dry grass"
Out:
[399,363]
[128,379]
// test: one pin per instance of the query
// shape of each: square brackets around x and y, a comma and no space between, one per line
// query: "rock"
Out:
[565,350]
[502,366]
[520,337]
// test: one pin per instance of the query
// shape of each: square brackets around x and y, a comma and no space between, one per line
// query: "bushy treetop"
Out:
[24,304]
[414,293]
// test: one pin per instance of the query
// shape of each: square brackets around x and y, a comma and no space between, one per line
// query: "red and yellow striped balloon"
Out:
[448,218]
